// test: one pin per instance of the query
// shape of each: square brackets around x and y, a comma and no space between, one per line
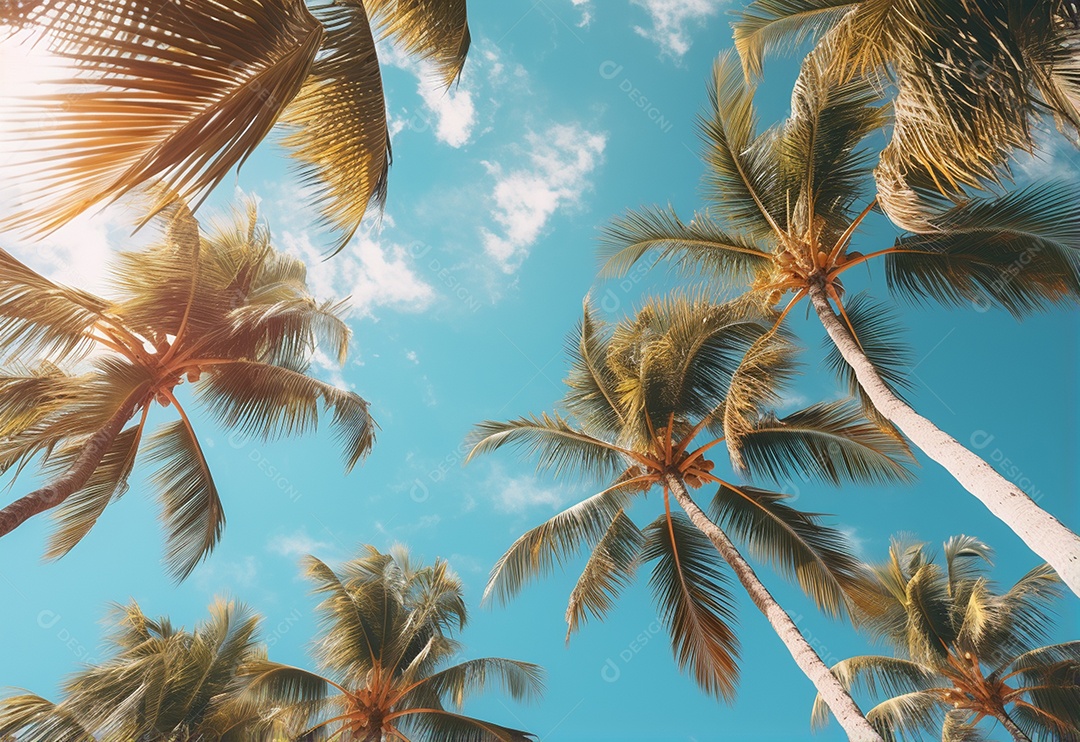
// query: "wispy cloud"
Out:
[672,19]
[519,494]
[298,544]
[560,163]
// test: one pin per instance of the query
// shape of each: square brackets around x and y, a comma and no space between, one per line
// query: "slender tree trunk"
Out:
[74,479]
[1043,533]
[1017,733]
[839,701]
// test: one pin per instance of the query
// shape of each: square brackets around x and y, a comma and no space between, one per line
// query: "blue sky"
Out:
[569,113]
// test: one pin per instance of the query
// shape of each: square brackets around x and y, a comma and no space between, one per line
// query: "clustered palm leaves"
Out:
[784,207]
[388,637]
[183,91]
[160,684]
[225,312]
[970,80]
[965,650]
[641,397]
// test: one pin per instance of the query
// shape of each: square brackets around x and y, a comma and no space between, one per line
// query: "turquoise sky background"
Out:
[569,113]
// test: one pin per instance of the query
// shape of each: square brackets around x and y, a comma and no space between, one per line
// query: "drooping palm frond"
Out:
[268,401]
[337,127]
[815,556]
[441,725]
[908,716]
[537,551]
[611,567]
[756,386]
[1019,251]
[193,87]
[831,441]
[694,602]
[436,30]
[697,246]
[191,507]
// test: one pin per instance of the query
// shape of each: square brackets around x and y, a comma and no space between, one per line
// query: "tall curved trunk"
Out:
[839,701]
[1043,533]
[75,478]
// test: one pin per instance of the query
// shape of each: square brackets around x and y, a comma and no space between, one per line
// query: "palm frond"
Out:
[694,603]
[436,30]
[611,567]
[191,508]
[876,675]
[908,716]
[182,91]
[958,727]
[81,510]
[274,684]
[765,26]
[553,442]
[591,395]
[269,401]
[763,373]
[522,681]
[537,552]
[830,440]
[695,247]
[737,172]
[31,718]
[797,545]
[337,128]
[41,318]
[435,725]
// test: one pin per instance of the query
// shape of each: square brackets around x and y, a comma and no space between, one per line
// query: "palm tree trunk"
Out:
[75,478]
[1017,733]
[840,702]
[1043,533]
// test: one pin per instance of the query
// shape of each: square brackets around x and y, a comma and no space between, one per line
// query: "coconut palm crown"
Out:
[160,683]
[387,652]
[965,650]
[224,312]
[648,398]
[183,91]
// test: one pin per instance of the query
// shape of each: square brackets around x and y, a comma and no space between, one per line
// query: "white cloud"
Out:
[560,162]
[220,575]
[297,544]
[373,272]
[453,111]
[671,20]
[518,494]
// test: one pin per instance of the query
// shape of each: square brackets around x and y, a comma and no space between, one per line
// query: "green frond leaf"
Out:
[694,603]
[611,567]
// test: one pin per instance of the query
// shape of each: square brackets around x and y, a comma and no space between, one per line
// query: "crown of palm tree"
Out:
[183,91]
[965,651]
[785,204]
[160,684]
[388,636]
[640,395]
[226,313]
[964,101]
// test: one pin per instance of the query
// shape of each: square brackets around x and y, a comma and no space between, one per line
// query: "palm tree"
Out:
[183,91]
[388,635]
[964,650]
[161,684]
[226,312]
[971,79]
[783,209]
[640,395]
